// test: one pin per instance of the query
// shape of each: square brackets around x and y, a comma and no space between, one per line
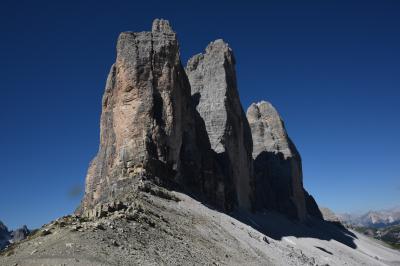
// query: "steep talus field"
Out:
[175,229]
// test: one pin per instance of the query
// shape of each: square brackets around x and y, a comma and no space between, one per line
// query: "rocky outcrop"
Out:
[277,164]
[4,236]
[149,126]
[328,215]
[212,78]
[186,127]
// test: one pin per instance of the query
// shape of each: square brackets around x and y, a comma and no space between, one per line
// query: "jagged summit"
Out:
[161,25]
[142,119]
[213,83]
[151,129]
[218,46]
[277,165]
[277,139]
[187,126]
[9,237]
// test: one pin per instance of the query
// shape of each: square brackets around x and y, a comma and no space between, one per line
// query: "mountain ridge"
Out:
[373,218]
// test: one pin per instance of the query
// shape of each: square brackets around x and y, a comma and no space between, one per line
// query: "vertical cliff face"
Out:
[277,164]
[187,126]
[146,113]
[149,126]
[212,78]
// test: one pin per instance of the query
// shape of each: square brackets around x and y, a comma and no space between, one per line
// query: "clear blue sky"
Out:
[332,69]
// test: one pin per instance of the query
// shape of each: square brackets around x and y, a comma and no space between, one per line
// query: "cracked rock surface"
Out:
[277,165]
[213,82]
[148,123]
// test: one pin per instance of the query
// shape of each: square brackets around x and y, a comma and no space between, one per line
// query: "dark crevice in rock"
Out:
[186,128]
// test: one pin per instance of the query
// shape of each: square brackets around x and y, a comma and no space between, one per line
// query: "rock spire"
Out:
[149,127]
[186,128]
[277,163]
[212,78]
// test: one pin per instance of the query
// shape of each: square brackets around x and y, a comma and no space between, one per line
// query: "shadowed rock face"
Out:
[146,113]
[312,206]
[277,164]
[212,78]
[4,236]
[188,128]
[149,126]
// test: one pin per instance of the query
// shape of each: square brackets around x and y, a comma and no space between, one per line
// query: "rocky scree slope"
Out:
[160,227]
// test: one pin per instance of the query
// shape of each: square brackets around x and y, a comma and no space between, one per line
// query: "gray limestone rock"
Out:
[149,127]
[188,129]
[277,163]
[212,78]
[328,214]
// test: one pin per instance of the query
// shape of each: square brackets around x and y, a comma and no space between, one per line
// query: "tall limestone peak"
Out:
[149,127]
[146,114]
[188,128]
[277,163]
[212,77]
[276,139]
[161,25]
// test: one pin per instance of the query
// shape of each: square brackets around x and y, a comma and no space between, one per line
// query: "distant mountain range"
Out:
[7,237]
[374,219]
[383,225]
